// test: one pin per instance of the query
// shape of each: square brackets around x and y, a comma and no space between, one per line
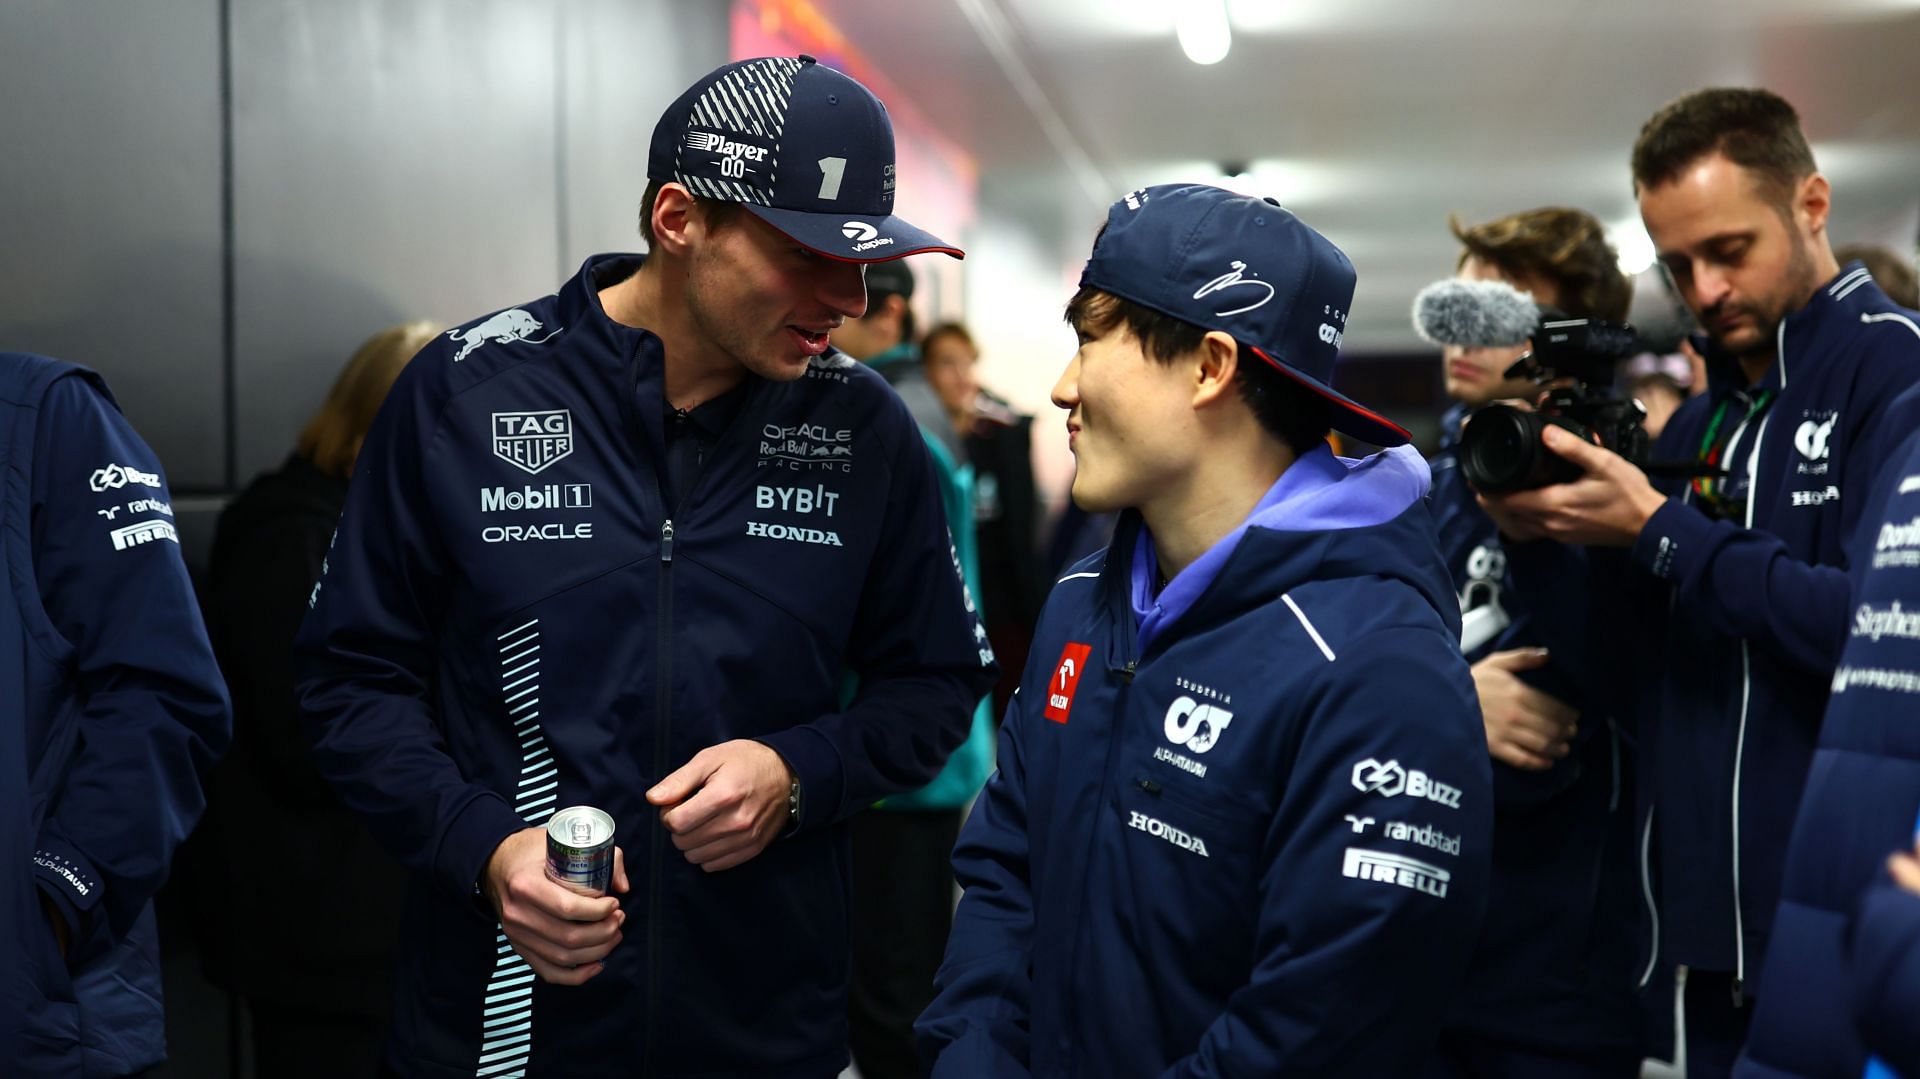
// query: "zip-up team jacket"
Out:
[113,713]
[512,620]
[1740,623]
[1862,794]
[1237,829]
[1553,970]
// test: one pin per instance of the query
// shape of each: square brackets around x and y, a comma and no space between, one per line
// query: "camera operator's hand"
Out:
[1606,507]
[1526,728]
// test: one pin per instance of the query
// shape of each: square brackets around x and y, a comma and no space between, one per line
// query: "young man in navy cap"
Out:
[1240,823]
[617,547]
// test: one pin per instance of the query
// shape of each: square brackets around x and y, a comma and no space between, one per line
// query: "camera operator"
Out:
[1741,589]
[1550,989]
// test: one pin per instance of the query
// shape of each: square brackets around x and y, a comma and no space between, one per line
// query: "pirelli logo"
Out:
[1396,869]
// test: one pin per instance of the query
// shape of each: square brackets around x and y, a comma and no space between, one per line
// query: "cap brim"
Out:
[1349,417]
[853,237]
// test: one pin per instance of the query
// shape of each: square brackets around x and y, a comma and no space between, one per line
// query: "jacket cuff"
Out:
[469,840]
[1673,542]
[817,766]
[65,875]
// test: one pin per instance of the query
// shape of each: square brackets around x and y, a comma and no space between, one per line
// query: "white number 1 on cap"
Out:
[831,169]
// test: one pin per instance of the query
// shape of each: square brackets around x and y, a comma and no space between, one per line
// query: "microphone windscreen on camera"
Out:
[1474,314]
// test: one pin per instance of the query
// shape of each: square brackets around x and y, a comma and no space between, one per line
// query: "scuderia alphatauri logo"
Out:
[530,441]
[1390,779]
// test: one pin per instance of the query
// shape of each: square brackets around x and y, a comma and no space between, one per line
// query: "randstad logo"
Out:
[1194,725]
[504,328]
[715,143]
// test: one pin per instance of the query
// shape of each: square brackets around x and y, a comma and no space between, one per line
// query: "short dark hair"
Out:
[718,212]
[1564,247]
[1755,129]
[947,329]
[907,324]
[1287,410]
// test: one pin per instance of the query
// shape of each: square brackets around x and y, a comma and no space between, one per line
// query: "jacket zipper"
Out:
[1646,893]
[663,675]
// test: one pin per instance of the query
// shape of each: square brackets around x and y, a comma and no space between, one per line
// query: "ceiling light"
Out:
[1205,35]
[1630,239]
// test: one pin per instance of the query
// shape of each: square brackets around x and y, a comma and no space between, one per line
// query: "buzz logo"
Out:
[1330,335]
[1396,869]
[1811,439]
[1194,725]
[858,231]
[116,476]
[1389,780]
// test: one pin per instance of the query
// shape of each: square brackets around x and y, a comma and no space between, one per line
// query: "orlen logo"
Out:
[1194,725]
[1389,779]
[1066,679]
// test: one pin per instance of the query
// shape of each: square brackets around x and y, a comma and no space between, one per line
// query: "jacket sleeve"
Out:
[978,1021]
[1746,581]
[1360,938]
[920,652]
[152,710]
[1884,941]
[365,658]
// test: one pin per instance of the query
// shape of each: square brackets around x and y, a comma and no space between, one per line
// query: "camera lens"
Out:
[1500,449]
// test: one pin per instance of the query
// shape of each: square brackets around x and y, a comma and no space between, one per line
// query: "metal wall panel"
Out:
[111,203]
[391,161]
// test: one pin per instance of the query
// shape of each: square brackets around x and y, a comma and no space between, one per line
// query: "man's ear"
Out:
[1812,202]
[674,219]
[1215,363]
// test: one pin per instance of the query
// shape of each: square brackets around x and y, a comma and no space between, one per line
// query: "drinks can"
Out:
[580,849]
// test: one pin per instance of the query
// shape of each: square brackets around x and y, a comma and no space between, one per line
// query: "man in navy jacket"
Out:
[1741,581]
[620,546]
[1842,936]
[1240,823]
[114,713]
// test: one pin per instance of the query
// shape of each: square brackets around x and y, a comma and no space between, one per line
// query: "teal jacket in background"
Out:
[966,771]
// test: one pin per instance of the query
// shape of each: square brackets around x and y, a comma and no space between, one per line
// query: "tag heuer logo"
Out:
[530,441]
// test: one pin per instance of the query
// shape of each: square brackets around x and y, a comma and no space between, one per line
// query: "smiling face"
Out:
[1477,376]
[766,301]
[1741,261]
[1129,421]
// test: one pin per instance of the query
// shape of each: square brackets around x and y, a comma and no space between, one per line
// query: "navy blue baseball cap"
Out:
[1248,268]
[800,145]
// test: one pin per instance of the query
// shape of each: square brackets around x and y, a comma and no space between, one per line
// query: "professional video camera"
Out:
[1573,358]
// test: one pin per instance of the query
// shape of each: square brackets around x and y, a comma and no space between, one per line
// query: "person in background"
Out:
[902,849]
[1241,820]
[1895,275]
[1734,593]
[1661,383]
[1551,988]
[999,445]
[113,713]
[320,998]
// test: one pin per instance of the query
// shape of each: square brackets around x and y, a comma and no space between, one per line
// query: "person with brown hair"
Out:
[1550,989]
[1735,577]
[319,999]
[1894,274]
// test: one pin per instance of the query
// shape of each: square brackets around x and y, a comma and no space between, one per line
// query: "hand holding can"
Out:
[580,849]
